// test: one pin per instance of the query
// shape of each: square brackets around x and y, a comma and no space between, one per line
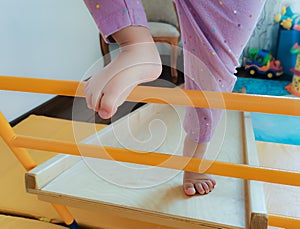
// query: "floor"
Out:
[276,128]
[268,127]
[262,86]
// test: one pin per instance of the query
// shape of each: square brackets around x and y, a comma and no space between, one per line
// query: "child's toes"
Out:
[201,188]
[189,189]
[107,106]
[210,184]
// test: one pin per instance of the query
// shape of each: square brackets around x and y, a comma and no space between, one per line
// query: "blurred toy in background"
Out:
[262,62]
[294,87]
[288,19]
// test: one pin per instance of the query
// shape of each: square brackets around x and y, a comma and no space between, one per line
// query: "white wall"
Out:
[58,39]
[55,39]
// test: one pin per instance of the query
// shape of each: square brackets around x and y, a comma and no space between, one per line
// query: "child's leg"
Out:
[214,34]
[123,22]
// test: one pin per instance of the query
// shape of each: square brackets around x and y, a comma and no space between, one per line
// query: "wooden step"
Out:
[144,193]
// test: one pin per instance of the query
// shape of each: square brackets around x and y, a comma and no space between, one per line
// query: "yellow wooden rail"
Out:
[175,96]
[160,160]
[283,222]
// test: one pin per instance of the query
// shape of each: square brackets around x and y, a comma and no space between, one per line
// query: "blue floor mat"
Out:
[276,128]
[261,86]
[268,127]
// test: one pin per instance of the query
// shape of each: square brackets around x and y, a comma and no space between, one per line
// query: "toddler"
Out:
[214,34]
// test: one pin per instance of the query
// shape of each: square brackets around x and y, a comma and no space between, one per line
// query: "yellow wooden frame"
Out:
[174,96]
[230,101]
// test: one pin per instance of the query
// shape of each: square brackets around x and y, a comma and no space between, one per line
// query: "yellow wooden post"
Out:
[8,135]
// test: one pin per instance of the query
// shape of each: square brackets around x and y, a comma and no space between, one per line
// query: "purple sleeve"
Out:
[114,15]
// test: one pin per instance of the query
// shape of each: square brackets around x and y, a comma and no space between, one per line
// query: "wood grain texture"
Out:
[257,210]
[41,175]
[282,200]
[153,194]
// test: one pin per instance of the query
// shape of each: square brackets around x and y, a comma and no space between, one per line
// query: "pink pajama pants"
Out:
[214,34]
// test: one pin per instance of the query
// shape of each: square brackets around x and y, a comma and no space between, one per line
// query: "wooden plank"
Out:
[143,205]
[41,175]
[257,209]
[154,194]
[283,201]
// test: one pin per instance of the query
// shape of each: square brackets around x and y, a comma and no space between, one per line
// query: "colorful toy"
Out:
[262,62]
[294,87]
[288,19]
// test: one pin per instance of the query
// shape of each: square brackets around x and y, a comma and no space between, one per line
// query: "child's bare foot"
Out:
[194,183]
[138,62]
[197,183]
